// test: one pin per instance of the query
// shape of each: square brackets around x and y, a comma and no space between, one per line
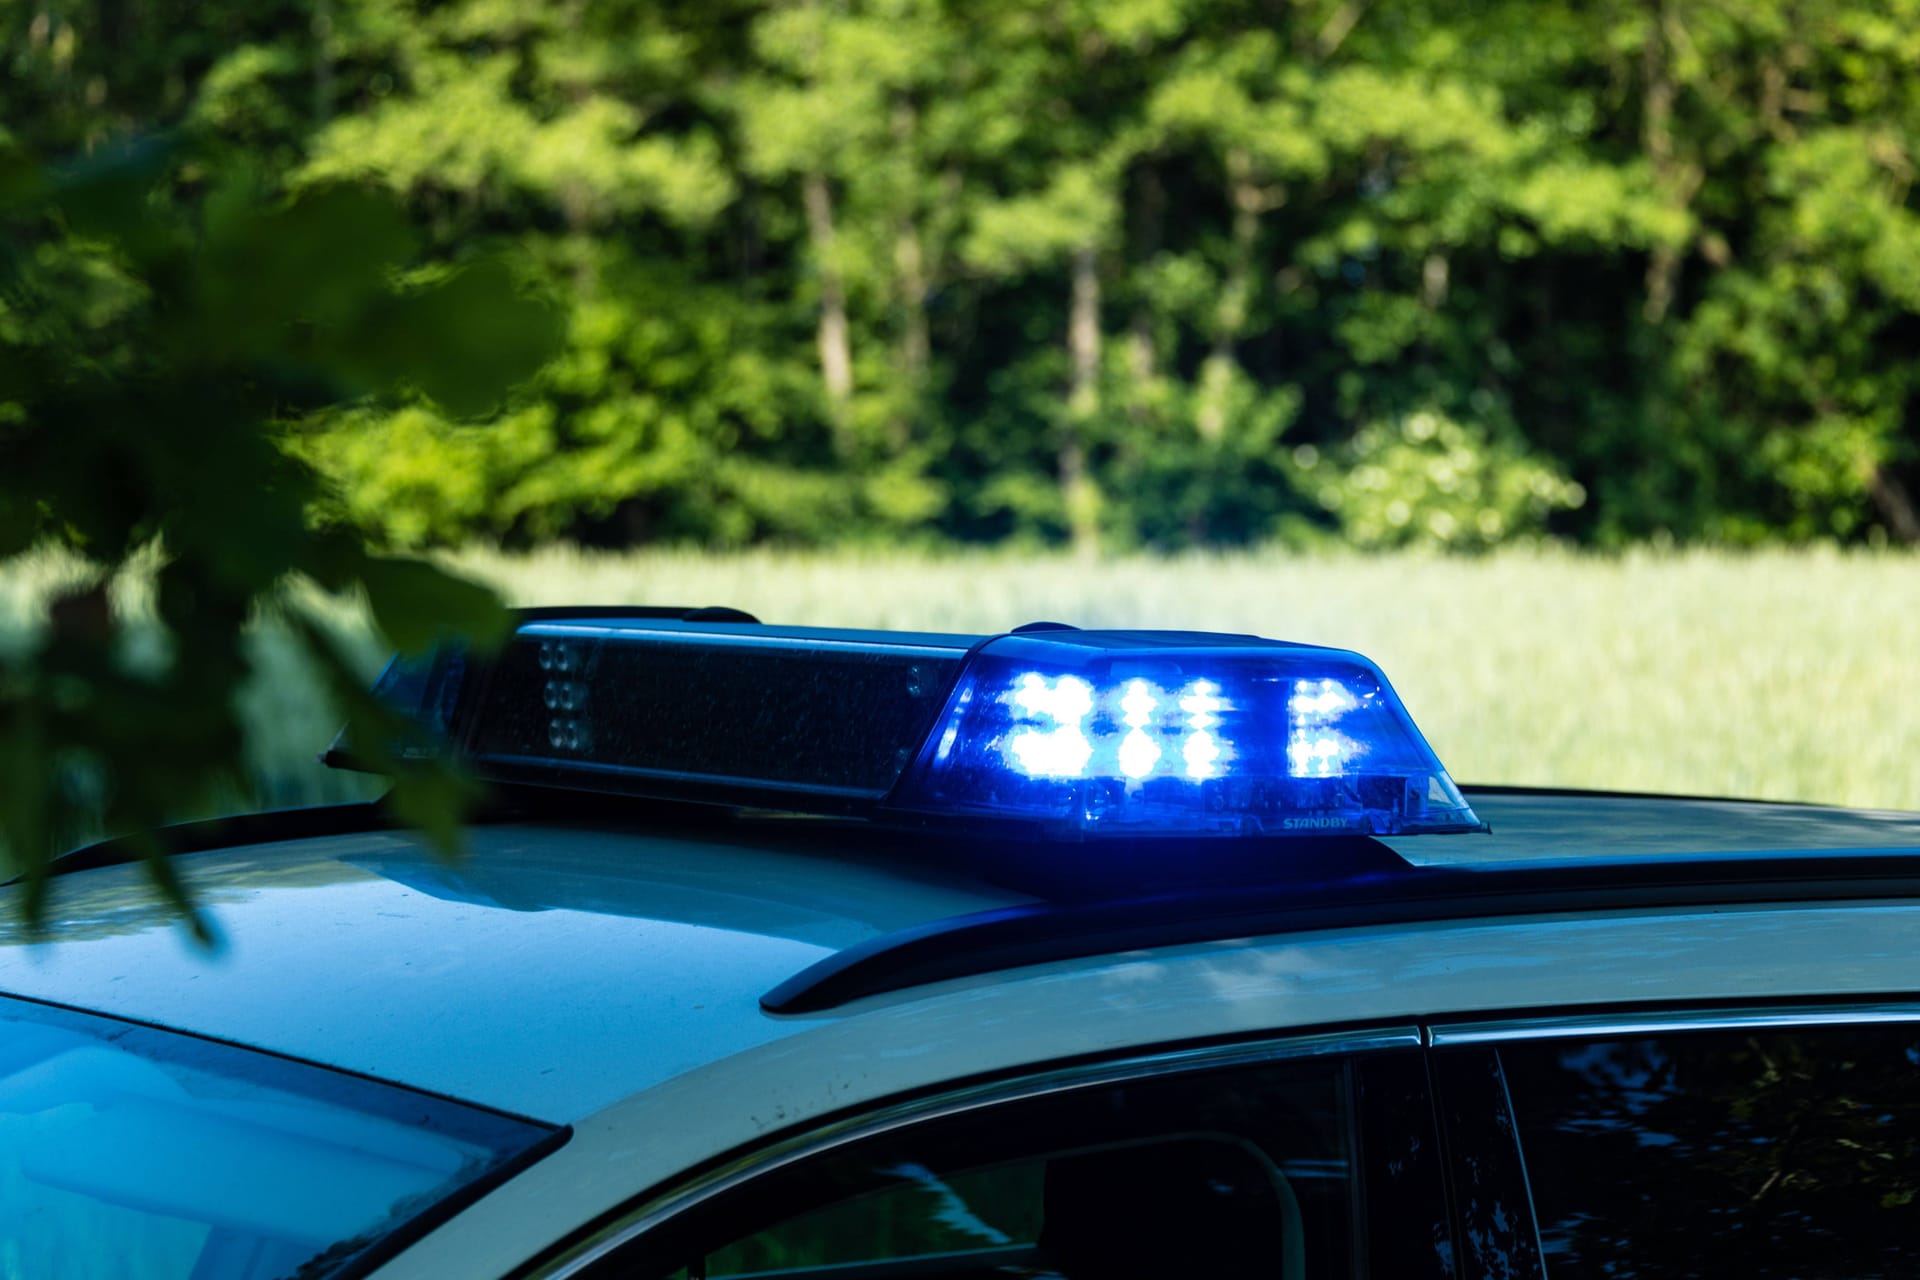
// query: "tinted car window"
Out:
[128,1151]
[1779,1153]
[1250,1171]
[1490,1198]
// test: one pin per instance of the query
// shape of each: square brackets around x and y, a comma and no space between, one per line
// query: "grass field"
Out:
[1781,674]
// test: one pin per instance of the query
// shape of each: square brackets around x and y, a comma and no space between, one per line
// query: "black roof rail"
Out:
[1039,932]
[271,826]
[1604,793]
[663,612]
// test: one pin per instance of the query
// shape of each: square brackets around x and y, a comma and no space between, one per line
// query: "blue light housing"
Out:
[1169,733]
[1067,733]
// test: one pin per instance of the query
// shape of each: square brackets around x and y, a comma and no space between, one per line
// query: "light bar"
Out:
[1075,733]
[790,717]
[1149,733]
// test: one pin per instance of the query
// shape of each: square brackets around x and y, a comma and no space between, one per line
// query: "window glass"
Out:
[1490,1198]
[920,1214]
[1759,1154]
[1229,1173]
[126,1151]
[1407,1235]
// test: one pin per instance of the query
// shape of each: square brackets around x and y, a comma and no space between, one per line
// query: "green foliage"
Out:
[1034,230]
[869,269]
[153,337]
[1430,481]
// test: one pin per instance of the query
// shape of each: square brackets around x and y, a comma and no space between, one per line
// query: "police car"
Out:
[856,955]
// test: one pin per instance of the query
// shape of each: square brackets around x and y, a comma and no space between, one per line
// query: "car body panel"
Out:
[609,979]
[932,1037]
[1537,827]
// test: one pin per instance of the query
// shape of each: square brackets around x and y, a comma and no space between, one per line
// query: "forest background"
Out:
[1130,274]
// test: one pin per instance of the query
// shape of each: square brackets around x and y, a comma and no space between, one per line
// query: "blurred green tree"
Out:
[1102,274]
[162,321]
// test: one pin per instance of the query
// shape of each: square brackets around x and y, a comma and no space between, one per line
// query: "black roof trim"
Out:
[1597,793]
[269,827]
[663,612]
[1036,933]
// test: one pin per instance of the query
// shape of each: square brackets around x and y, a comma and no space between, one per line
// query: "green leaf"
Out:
[326,259]
[19,523]
[110,192]
[430,793]
[464,342]
[417,604]
[432,800]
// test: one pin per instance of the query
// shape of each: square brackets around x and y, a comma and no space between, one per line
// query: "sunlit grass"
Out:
[1785,675]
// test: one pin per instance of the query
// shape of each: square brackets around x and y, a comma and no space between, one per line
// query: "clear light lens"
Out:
[1251,739]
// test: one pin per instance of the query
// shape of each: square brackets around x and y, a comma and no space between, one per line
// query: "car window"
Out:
[993,1211]
[1249,1171]
[1759,1154]
[127,1151]
[1493,1217]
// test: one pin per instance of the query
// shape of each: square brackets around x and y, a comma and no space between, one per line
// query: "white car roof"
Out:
[549,973]
[1535,827]
[561,968]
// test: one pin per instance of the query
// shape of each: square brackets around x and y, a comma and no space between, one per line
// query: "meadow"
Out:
[1776,674]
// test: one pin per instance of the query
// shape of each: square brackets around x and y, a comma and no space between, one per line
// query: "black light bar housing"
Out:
[570,701]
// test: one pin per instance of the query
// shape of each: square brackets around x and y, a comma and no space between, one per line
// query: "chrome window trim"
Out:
[1569,1026]
[723,640]
[724,1178]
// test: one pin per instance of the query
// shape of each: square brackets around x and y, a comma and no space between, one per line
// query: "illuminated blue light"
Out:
[1138,752]
[1058,732]
[1146,733]
[1202,706]
[1314,749]
[1055,745]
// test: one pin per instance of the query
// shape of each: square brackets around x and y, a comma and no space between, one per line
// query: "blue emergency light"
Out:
[1074,733]
[1144,733]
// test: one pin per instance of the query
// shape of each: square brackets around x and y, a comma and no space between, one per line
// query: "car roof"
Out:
[562,966]
[1534,827]
[550,971]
